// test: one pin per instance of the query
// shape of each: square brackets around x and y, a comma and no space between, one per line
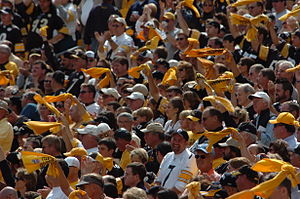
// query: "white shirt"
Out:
[93,109]
[57,193]
[170,127]
[176,170]
[91,150]
[292,141]
[123,41]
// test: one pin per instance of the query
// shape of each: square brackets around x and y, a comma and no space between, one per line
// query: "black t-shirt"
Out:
[13,34]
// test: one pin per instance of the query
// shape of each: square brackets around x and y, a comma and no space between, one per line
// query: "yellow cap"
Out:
[169,15]
[285,118]
[78,151]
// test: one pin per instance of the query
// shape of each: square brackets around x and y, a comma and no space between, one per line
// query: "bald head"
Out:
[8,193]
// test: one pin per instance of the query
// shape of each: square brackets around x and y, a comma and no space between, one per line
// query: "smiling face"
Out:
[178,143]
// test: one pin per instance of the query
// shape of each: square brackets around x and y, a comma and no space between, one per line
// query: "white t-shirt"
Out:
[57,193]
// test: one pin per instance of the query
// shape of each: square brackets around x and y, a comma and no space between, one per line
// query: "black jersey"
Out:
[13,34]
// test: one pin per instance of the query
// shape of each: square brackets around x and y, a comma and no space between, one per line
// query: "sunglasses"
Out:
[207,5]
[180,39]
[200,156]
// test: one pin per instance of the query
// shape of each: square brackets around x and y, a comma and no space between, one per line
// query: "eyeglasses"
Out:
[207,5]
[47,81]
[200,156]
[180,39]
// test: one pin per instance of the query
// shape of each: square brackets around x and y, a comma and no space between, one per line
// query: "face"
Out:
[203,161]
[185,123]
[228,45]
[295,159]
[151,139]
[278,129]
[208,6]
[48,83]
[181,42]
[278,5]
[211,30]
[178,143]
[259,105]
[86,95]
[281,95]
[121,144]
[37,70]
[253,75]
[296,40]
[117,28]
[104,151]
[130,179]
[208,121]
[93,190]
[135,104]
[6,18]
[44,112]
[44,4]
[124,122]
[119,69]
[254,10]
[280,72]
[47,148]
[170,110]
[91,62]
[242,97]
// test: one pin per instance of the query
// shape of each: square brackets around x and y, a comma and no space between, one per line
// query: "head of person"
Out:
[255,8]
[283,190]
[280,147]
[58,79]
[185,72]
[9,193]
[28,98]
[122,137]
[162,149]
[179,141]
[246,178]
[51,145]
[87,93]
[45,5]
[254,72]
[261,101]
[107,147]
[162,65]
[181,40]
[264,76]
[120,66]
[47,83]
[89,136]
[173,91]
[92,184]
[244,64]
[44,112]
[134,174]
[6,14]
[283,90]
[211,118]
[216,42]
[125,120]
[74,167]
[108,95]
[160,52]
[235,164]
[195,118]
[295,157]
[228,183]
[228,42]
[279,5]
[39,69]
[185,123]
[91,59]
[296,38]
[291,107]
[284,125]
[174,107]
[5,52]
[153,134]
[118,26]
[212,28]
[248,131]
[135,193]
[204,158]
[169,21]
[243,92]
[139,155]
[231,148]
[26,180]
[281,73]
[135,100]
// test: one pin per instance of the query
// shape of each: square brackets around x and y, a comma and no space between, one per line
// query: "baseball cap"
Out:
[136,96]
[139,88]
[182,133]
[22,130]
[90,179]
[203,148]
[4,105]
[285,118]
[111,92]
[72,162]
[230,142]
[77,151]
[122,133]
[247,127]
[4,48]
[260,95]
[121,20]
[228,179]
[90,54]
[195,115]
[103,127]
[154,127]
[6,10]
[89,129]
[169,15]
[251,174]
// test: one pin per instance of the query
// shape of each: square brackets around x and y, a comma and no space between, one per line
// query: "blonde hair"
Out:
[141,154]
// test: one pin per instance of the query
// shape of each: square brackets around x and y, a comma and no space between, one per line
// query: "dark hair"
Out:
[228,37]
[110,143]
[257,67]
[286,85]
[177,103]
[91,88]
[43,65]
[164,148]
[248,61]
[269,73]
[192,98]
[218,41]
[138,168]
[121,60]
[174,89]
[285,183]
[161,51]
[293,106]
[59,77]
[215,112]
[110,190]
[53,140]
[112,122]
[167,194]
[154,190]
[281,148]
[35,140]
[115,105]
[164,62]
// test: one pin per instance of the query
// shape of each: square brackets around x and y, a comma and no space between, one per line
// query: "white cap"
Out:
[136,95]
[261,95]
[173,62]
[90,54]
[139,88]
[72,162]
[121,20]
[103,127]
[111,91]
[89,129]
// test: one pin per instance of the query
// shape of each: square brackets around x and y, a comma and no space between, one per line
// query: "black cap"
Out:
[182,133]
[122,133]
[22,130]
[228,179]
[221,194]
[157,75]
[248,127]
[195,116]
[6,10]
[90,179]
[251,174]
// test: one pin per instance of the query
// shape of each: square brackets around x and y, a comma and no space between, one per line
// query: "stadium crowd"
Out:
[157,99]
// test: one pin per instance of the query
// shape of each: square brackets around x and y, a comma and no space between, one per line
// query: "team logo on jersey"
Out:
[9,29]
[49,15]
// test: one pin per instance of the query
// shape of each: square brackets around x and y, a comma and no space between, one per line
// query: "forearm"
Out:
[56,38]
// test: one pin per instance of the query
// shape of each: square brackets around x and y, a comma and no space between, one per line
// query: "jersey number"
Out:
[37,24]
[3,36]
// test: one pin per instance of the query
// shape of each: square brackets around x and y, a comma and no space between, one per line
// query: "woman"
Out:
[185,72]
[173,109]
[191,100]
[243,91]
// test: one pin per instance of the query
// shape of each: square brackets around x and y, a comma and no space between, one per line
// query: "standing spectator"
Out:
[6,132]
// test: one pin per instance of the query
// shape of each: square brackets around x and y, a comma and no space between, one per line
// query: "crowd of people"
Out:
[157,99]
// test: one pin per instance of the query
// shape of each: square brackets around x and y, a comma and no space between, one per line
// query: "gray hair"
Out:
[125,114]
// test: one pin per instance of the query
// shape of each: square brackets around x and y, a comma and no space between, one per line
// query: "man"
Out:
[256,8]
[5,64]
[153,135]
[283,92]
[254,72]
[9,31]
[135,100]
[87,96]
[8,193]
[29,107]
[212,119]
[205,162]
[38,72]
[178,167]
[228,182]
[134,175]
[181,44]
[6,132]
[57,82]
[264,77]
[284,128]
[120,67]
[123,138]
[291,107]
[139,88]
[196,129]
[88,136]
[279,10]
[246,178]
[93,185]
[261,102]
[248,131]
[109,95]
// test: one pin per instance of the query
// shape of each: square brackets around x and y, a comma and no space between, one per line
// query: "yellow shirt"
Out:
[218,162]
[73,184]
[6,135]
[12,66]
[193,137]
